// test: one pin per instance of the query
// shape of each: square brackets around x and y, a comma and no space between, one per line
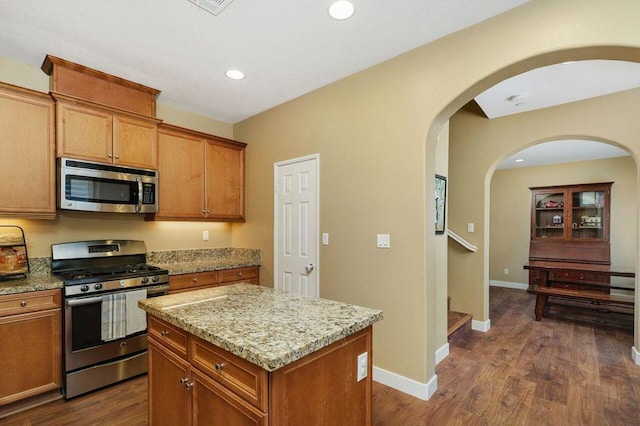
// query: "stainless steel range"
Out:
[104,332]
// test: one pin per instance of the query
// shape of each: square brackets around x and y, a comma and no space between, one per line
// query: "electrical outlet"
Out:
[363,366]
[506,271]
[325,239]
[205,235]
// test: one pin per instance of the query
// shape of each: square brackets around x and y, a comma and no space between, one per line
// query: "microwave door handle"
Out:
[139,206]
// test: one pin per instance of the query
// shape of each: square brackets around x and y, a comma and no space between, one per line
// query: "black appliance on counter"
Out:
[104,333]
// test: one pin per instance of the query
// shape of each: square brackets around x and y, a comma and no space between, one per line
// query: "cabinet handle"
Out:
[184,380]
[188,385]
[195,280]
[164,333]
[219,366]
[239,274]
[117,156]
[23,303]
[204,211]
[109,155]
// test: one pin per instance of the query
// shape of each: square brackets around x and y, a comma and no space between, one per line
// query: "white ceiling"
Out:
[286,48]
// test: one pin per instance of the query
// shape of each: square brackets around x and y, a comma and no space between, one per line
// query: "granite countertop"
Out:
[267,327]
[32,282]
[179,262]
[189,267]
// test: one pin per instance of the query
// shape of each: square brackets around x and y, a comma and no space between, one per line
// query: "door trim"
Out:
[276,168]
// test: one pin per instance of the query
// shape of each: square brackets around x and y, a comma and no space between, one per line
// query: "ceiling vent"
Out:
[214,7]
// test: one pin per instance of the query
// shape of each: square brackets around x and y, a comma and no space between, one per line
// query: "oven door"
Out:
[83,332]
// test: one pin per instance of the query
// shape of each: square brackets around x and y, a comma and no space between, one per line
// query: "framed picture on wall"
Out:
[441,203]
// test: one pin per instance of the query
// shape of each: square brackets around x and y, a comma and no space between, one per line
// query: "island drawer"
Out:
[245,379]
[192,281]
[22,303]
[248,274]
[168,335]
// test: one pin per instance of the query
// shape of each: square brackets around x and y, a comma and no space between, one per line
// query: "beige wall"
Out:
[376,133]
[511,210]
[442,241]
[72,226]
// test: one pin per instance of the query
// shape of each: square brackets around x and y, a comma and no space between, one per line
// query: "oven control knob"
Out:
[98,286]
[155,278]
[84,287]
[145,280]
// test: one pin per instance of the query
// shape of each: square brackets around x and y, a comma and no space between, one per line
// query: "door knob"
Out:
[309,268]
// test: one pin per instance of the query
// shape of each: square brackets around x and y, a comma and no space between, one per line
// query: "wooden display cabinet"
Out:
[571,223]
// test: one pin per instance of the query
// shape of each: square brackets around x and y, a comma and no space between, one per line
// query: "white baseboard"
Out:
[423,391]
[508,284]
[635,355]
[442,353]
[480,325]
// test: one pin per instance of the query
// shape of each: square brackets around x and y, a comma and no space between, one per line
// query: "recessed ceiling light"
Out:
[235,74]
[520,160]
[341,10]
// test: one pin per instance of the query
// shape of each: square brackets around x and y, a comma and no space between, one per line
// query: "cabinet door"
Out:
[181,176]
[31,354]
[169,402]
[225,181]
[213,405]
[548,216]
[84,133]
[589,211]
[28,159]
[135,142]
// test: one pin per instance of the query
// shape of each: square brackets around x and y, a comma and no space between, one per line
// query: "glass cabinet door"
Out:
[549,215]
[588,215]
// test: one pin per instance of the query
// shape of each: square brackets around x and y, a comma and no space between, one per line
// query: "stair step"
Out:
[457,320]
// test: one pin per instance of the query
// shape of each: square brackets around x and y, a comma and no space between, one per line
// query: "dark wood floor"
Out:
[521,372]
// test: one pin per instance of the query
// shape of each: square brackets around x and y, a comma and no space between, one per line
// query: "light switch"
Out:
[325,239]
[383,241]
[205,235]
[470,227]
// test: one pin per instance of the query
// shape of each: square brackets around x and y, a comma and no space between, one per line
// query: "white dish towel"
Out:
[136,317]
[114,317]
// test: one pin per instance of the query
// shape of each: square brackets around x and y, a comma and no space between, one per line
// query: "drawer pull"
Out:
[239,274]
[219,366]
[23,303]
[164,333]
[195,280]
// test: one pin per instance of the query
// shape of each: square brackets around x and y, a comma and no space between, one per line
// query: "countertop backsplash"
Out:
[202,255]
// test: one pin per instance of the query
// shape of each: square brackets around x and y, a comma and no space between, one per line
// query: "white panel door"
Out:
[296,225]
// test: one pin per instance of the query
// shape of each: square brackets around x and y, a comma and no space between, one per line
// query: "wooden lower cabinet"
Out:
[211,386]
[200,280]
[30,327]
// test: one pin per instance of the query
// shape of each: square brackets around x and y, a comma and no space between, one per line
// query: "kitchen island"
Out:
[246,354]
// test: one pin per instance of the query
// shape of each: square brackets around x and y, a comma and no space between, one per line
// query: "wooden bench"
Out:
[586,283]
[594,297]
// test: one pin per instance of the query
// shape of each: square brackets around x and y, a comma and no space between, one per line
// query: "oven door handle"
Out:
[159,290]
[84,301]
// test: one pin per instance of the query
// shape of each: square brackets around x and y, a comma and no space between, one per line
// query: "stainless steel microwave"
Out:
[98,187]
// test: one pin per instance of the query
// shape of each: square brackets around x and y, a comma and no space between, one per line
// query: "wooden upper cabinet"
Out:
[201,177]
[225,180]
[181,176]
[27,143]
[94,133]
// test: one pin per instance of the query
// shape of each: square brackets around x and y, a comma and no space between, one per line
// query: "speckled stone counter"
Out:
[40,278]
[204,260]
[266,327]
[33,282]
